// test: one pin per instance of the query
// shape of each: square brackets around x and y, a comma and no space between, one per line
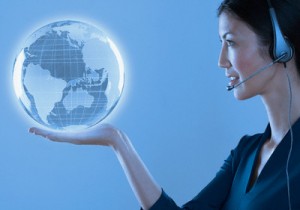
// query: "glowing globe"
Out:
[69,75]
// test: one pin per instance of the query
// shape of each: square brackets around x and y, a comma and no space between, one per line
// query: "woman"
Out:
[263,171]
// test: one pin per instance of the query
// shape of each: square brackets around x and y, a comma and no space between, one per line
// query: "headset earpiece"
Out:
[281,44]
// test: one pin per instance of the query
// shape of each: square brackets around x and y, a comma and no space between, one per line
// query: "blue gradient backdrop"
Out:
[175,107]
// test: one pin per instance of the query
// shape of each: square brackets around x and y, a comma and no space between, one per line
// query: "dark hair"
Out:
[255,13]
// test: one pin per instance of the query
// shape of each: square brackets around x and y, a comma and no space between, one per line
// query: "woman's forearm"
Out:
[141,181]
[146,190]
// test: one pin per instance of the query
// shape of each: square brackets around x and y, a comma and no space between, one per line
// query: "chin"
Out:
[242,94]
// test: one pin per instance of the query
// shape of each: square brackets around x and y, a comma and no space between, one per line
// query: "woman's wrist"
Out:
[119,140]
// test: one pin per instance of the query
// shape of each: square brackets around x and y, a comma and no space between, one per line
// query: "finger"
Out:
[51,135]
[57,136]
[39,131]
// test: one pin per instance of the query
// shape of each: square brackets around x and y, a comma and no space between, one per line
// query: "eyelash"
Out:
[230,43]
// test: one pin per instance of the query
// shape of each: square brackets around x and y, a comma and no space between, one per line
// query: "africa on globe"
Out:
[69,75]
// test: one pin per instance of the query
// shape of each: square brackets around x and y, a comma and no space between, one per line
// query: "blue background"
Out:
[174,108]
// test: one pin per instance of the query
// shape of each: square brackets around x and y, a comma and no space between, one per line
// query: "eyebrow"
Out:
[224,35]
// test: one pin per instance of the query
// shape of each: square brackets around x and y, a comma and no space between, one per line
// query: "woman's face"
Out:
[241,55]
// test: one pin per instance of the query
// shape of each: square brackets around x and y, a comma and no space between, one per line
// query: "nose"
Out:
[223,58]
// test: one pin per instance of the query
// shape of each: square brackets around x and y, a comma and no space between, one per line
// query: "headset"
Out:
[282,52]
[281,43]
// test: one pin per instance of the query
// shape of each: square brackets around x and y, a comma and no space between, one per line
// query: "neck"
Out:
[277,104]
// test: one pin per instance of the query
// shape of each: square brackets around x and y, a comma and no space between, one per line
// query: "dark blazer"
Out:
[230,189]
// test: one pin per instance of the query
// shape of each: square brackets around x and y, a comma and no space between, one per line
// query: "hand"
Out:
[101,134]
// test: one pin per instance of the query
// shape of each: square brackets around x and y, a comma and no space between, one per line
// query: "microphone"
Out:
[230,87]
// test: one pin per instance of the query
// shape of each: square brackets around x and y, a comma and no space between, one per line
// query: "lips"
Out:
[233,80]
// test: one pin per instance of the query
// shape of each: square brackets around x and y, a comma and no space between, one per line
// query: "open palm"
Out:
[101,134]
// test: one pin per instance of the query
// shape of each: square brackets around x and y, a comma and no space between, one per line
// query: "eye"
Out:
[230,43]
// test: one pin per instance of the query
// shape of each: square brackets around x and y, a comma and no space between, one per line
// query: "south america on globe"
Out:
[69,75]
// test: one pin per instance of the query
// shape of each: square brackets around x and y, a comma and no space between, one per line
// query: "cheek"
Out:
[242,64]
[246,63]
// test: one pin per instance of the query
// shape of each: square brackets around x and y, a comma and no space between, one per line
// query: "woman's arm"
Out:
[146,190]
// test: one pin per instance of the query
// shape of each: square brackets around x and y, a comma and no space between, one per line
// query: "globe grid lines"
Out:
[82,92]
[54,67]
[77,67]
[68,60]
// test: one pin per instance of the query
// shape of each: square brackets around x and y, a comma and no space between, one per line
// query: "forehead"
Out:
[231,24]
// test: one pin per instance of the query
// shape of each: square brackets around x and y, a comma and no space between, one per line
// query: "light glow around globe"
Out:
[69,75]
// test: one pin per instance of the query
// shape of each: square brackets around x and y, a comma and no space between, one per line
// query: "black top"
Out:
[230,189]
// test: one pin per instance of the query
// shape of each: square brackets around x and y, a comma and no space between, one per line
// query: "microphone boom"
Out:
[230,87]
